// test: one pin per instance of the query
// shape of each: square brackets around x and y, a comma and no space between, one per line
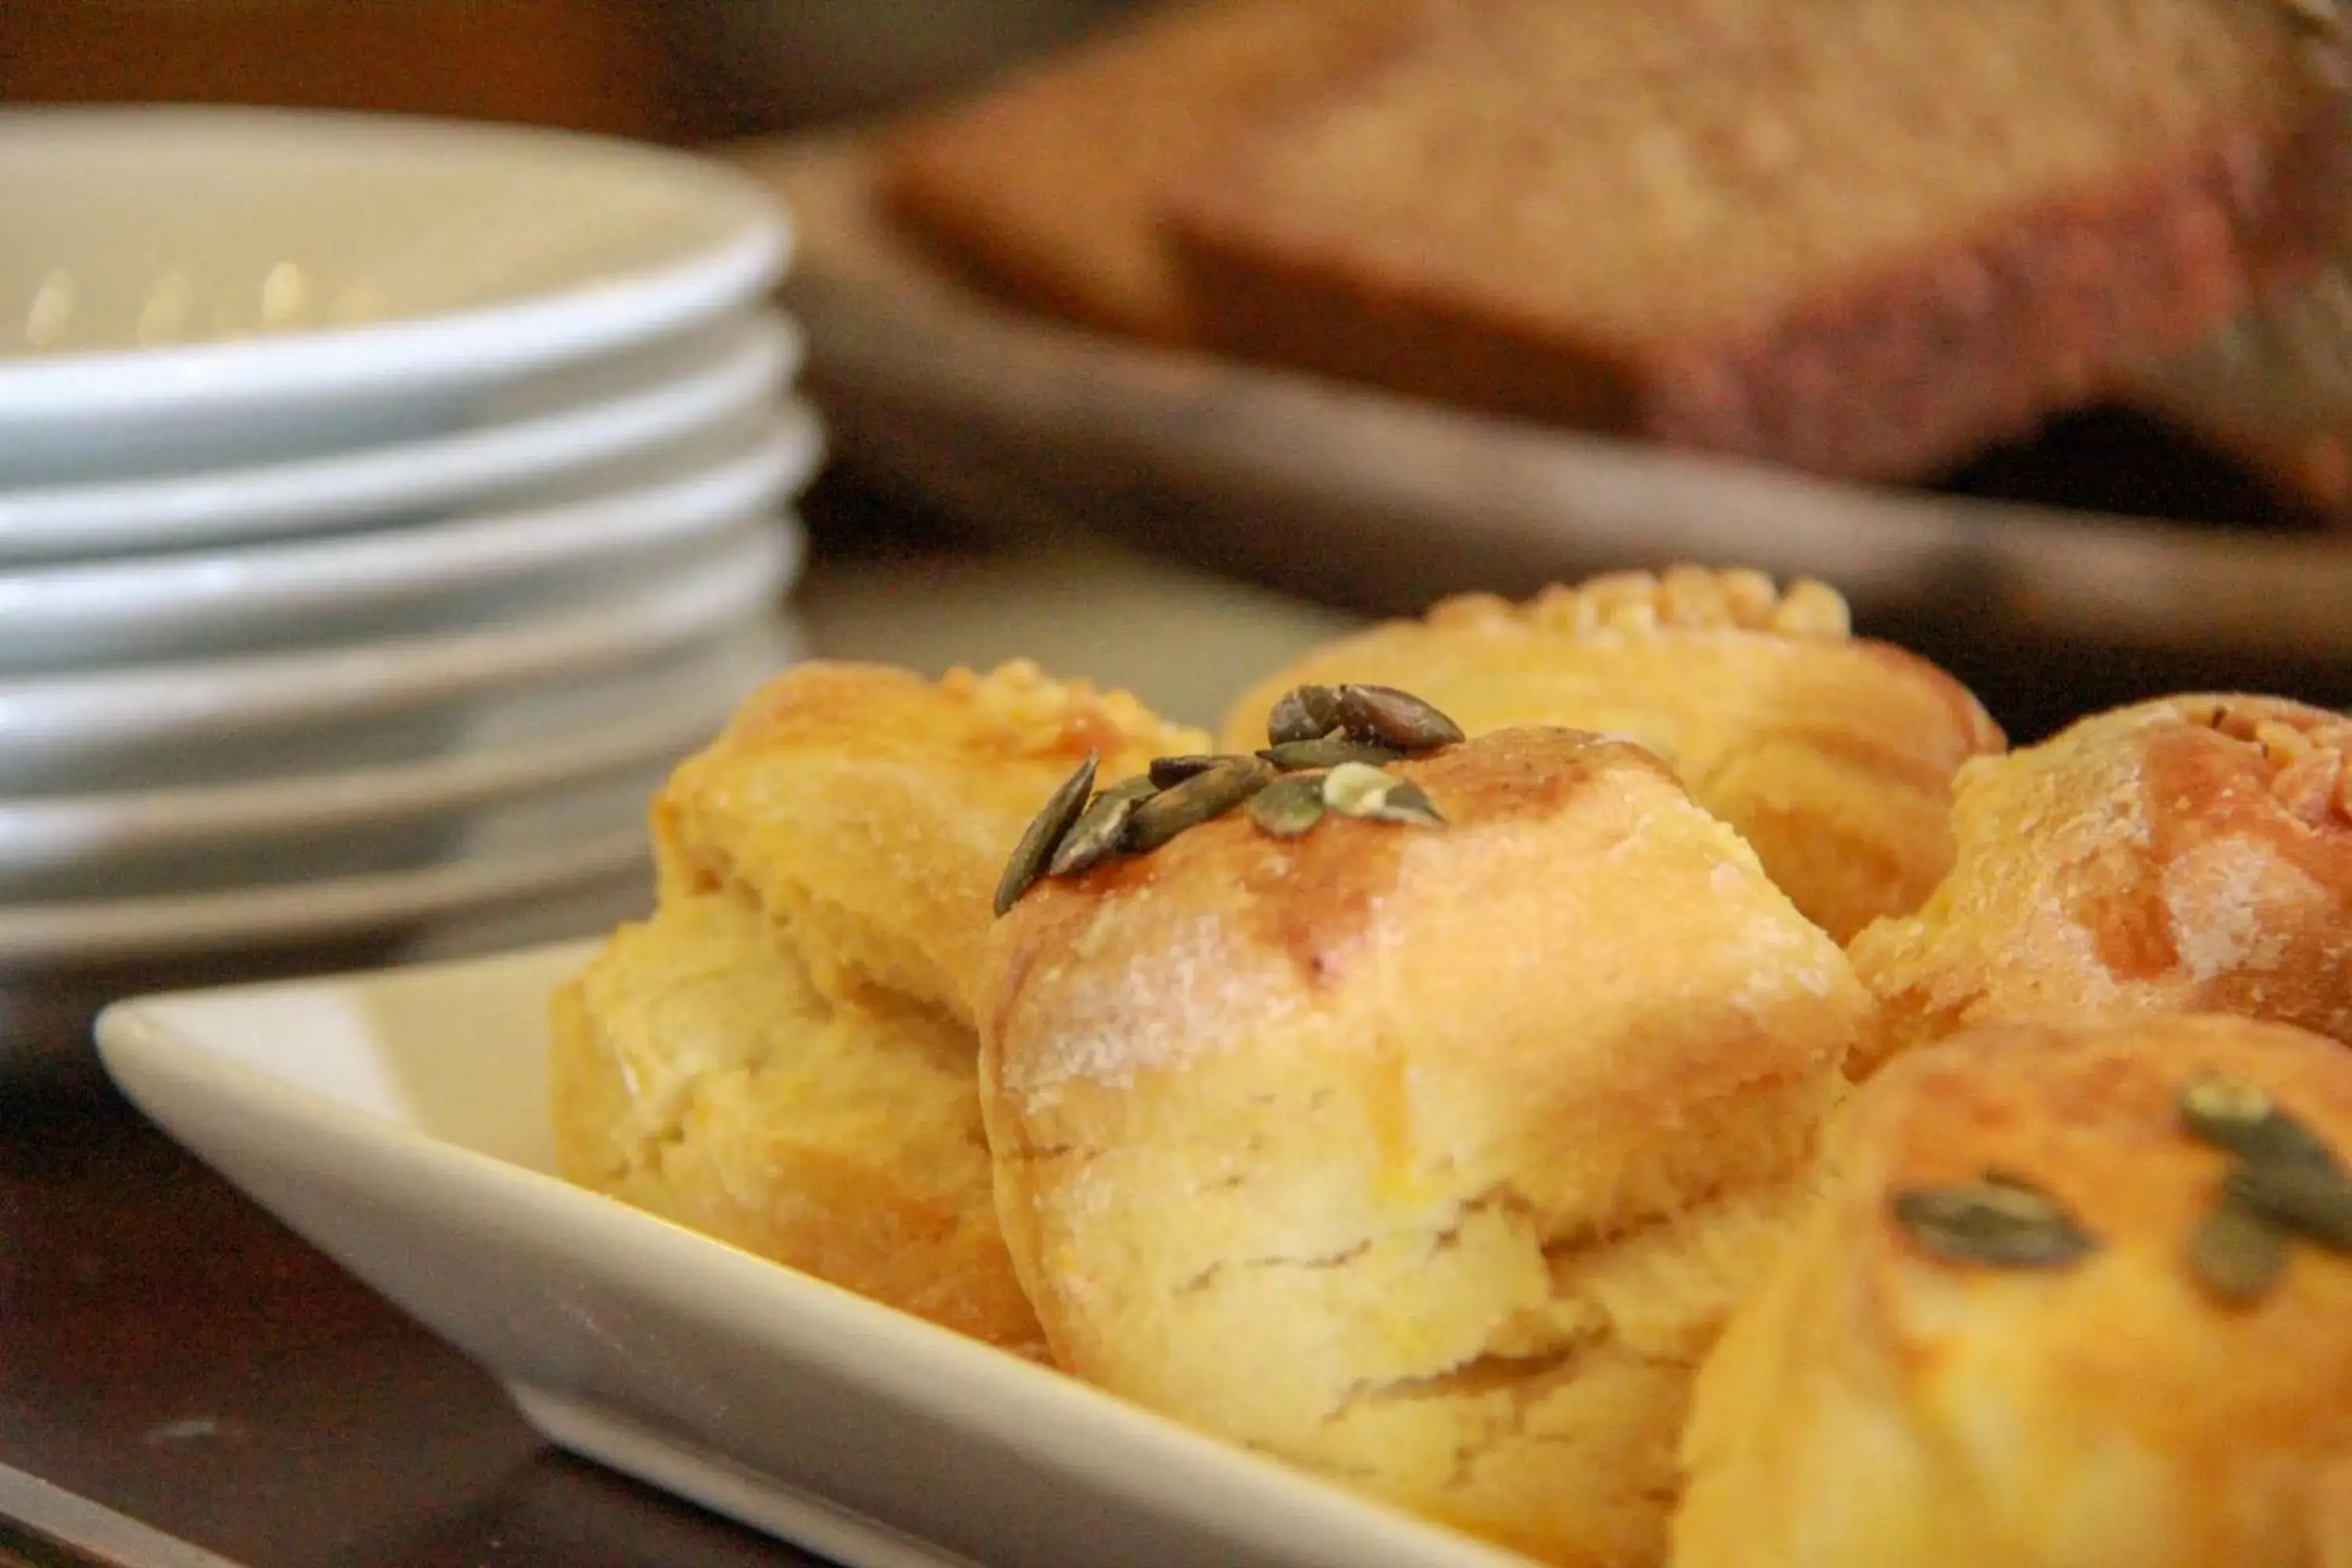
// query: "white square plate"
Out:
[398,1121]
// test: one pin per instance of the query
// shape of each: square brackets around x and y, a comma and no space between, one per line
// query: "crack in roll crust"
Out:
[1833,755]
[2193,853]
[1873,1404]
[1426,1159]
[783,1056]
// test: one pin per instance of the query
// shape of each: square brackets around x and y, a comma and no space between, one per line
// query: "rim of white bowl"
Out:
[314,495]
[111,930]
[755,475]
[259,693]
[376,360]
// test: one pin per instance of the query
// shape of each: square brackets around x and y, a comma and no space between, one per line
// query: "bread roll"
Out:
[2089,1398]
[1426,1157]
[1834,756]
[698,1074]
[868,811]
[783,1056]
[2189,854]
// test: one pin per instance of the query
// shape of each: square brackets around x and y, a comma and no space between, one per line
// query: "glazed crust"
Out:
[1833,755]
[783,1057]
[1874,1405]
[1426,1158]
[2192,853]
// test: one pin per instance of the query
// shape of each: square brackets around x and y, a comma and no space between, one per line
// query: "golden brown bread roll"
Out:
[783,1056]
[1834,756]
[2024,1328]
[698,1074]
[1426,1157]
[870,811]
[2189,854]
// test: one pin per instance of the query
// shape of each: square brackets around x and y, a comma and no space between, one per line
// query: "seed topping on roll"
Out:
[1327,753]
[2284,1185]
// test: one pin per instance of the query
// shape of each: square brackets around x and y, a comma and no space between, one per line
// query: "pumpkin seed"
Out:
[1096,836]
[1302,713]
[2242,1120]
[1998,1222]
[1044,833]
[1356,789]
[1204,797]
[1327,752]
[1169,772]
[1288,807]
[2237,1253]
[1386,717]
[1406,803]
[2315,1202]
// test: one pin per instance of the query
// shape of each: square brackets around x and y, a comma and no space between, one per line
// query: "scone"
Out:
[2192,853]
[783,1057]
[868,811]
[2079,1297]
[1418,1124]
[698,1074]
[1833,755]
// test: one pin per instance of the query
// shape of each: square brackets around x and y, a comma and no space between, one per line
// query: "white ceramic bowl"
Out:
[350,820]
[378,273]
[374,702]
[117,931]
[546,431]
[401,581]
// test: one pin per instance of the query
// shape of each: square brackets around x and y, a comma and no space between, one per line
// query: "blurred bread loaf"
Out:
[1429,1157]
[2048,1316]
[1832,756]
[2189,854]
[1859,236]
[783,1056]
[1050,185]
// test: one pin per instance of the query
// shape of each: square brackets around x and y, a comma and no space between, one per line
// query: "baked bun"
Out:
[783,1057]
[2190,854]
[1426,1155]
[698,1074]
[2026,1327]
[868,811]
[1834,756]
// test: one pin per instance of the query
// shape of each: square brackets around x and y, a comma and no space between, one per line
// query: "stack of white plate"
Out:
[385,507]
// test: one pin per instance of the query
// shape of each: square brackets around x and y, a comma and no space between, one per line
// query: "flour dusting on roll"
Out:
[2190,853]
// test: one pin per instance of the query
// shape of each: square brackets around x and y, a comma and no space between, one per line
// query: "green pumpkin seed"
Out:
[1288,807]
[1999,1222]
[2237,1254]
[1043,834]
[1097,834]
[2242,1120]
[1386,717]
[1204,797]
[2312,1201]
[1169,772]
[1405,803]
[1329,752]
[1302,713]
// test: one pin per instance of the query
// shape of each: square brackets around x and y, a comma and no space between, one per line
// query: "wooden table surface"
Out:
[169,1351]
